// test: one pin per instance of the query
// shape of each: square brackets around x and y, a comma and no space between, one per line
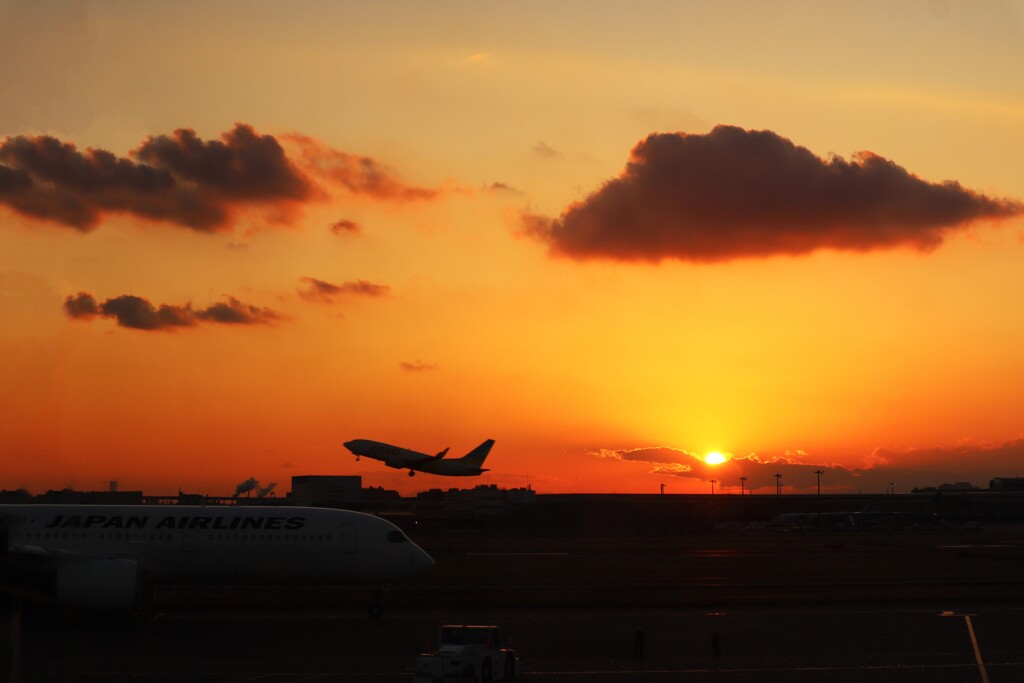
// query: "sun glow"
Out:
[714,458]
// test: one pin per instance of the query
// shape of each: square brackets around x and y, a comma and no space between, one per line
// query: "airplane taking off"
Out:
[468,465]
[102,557]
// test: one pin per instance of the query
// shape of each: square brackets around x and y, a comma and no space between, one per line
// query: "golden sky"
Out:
[614,237]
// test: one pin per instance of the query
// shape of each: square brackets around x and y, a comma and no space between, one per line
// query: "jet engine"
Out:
[111,585]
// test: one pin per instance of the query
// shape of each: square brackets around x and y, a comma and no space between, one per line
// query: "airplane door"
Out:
[347,535]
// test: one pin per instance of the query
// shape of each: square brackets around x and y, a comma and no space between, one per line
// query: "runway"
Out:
[918,642]
[887,607]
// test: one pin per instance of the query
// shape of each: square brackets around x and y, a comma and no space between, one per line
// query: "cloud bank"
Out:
[137,313]
[734,193]
[187,181]
[907,468]
[176,178]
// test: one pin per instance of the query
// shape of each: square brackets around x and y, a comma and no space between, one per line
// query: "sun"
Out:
[714,458]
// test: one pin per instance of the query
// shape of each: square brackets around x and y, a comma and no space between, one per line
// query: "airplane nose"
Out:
[421,561]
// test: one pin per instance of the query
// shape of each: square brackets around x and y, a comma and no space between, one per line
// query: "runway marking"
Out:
[977,650]
[974,641]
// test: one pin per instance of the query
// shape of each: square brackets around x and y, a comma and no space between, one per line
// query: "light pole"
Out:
[778,485]
[819,473]
[743,481]
[892,488]
[713,482]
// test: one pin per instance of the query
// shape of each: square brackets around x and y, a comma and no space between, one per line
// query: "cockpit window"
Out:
[396,537]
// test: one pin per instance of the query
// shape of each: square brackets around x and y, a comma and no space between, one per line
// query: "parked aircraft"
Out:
[468,465]
[105,556]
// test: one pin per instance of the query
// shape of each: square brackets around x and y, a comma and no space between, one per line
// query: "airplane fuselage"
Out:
[220,544]
[404,458]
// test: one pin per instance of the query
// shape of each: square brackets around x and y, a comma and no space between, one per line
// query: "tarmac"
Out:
[898,606]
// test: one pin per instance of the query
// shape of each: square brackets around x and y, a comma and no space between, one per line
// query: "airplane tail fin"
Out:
[477,456]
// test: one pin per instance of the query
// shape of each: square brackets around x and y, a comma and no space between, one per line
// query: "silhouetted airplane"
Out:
[467,466]
[105,556]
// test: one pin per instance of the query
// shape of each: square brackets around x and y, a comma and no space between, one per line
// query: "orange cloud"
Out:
[417,366]
[180,179]
[137,313]
[358,175]
[734,193]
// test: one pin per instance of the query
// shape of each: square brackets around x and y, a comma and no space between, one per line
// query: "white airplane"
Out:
[104,557]
[468,465]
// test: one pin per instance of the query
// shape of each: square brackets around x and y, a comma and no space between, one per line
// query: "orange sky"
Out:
[613,238]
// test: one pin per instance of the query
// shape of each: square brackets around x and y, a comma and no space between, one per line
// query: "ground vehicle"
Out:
[467,653]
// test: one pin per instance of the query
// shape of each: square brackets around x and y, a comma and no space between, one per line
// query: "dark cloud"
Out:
[358,175]
[907,468]
[180,179]
[138,313]
[81,305]
[241,165]
[312,289]
[346,227]
[734,193]
[417,366]
[234,312]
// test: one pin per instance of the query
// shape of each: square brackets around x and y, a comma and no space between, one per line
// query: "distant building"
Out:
[71,497]
[960,486]
[314,490]
[479,502]
[20,496]
[1007,484]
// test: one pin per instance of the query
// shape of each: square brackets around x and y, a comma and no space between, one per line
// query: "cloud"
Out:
[179,179]
[908,468]
[658,454]
[417,366]
[504,187]
[137,313]
[81,306]
[313,289]
[346,227]
[358,175]
[734,193]
[543,149]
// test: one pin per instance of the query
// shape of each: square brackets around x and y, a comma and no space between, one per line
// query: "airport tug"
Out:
[467,653]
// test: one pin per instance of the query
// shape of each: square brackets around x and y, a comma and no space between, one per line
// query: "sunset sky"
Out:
[614,237]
